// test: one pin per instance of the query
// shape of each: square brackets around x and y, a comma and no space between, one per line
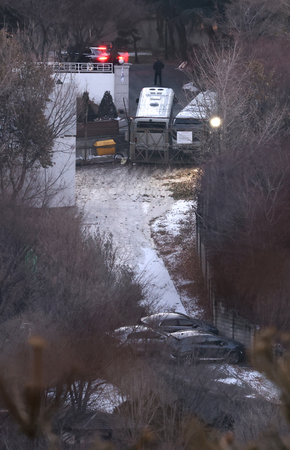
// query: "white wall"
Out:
[59,180]
[95,84]
[55,185]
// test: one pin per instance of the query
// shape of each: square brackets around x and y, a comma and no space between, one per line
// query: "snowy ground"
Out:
[249,378]
[126,201]
[135,203]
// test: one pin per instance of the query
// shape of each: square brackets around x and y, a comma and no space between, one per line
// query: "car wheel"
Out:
[234,357]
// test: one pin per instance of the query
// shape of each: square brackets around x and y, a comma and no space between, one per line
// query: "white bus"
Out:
[153,117]
[192,125]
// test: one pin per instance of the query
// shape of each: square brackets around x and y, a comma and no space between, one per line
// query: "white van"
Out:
[191,125]
[154,115]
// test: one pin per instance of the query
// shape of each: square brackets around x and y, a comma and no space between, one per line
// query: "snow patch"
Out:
[245,376]
[107,399]
[153,269]
[173,219]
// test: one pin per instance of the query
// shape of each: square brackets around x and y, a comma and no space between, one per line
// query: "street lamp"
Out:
[215,122]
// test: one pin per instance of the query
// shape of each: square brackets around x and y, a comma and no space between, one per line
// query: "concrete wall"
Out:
[55,185]
[95,84]
[59,180]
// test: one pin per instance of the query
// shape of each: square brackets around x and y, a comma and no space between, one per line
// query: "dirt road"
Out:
[127,201]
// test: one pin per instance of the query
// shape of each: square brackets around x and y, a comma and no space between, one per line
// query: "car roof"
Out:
[130,328]
[188,333]
[126,330]
[200,107]
[164,315]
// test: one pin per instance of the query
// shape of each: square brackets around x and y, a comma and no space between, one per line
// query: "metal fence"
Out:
[78,67]
[229,322]
[112,134]
[148,145]
[161,146]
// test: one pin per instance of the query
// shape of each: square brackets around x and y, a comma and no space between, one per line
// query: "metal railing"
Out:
[79,67]
[149,145]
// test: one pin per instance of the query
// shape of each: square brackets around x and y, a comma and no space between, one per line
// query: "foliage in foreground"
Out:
[67,285]
[34,415]
[50,265]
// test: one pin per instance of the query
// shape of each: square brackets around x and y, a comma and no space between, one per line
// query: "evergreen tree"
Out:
[107,109]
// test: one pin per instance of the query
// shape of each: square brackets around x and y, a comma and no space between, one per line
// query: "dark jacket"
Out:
[158,66]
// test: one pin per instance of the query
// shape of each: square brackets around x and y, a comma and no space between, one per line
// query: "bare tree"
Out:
[247,99]
[59,25]
[243,202]
[35,109]
[89,22]
[250,19]
[40,20]
[127,28]
[72,289]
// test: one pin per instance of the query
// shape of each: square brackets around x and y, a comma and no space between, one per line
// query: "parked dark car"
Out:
[171,322]
[187,347]
[141,339]
[101,54]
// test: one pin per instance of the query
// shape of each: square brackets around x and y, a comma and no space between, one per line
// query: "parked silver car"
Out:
[141,339]
[171,322]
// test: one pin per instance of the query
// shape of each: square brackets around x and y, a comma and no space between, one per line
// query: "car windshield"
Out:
[169,322]
[187,323]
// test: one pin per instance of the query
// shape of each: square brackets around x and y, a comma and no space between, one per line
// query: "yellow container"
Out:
[105,147]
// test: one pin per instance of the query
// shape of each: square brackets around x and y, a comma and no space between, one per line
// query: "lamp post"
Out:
[215,123]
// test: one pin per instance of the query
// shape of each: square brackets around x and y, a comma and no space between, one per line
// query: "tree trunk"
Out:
[171,49]
[181,31]
[160,30]
[135,40]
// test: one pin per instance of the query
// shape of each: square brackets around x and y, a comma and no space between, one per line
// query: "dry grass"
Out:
[178,251]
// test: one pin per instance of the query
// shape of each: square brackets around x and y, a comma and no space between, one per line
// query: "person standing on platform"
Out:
[157,67]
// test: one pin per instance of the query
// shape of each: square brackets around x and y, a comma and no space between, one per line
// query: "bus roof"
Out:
[200,107]
[155,102]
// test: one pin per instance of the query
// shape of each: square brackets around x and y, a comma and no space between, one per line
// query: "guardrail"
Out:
[78,67]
